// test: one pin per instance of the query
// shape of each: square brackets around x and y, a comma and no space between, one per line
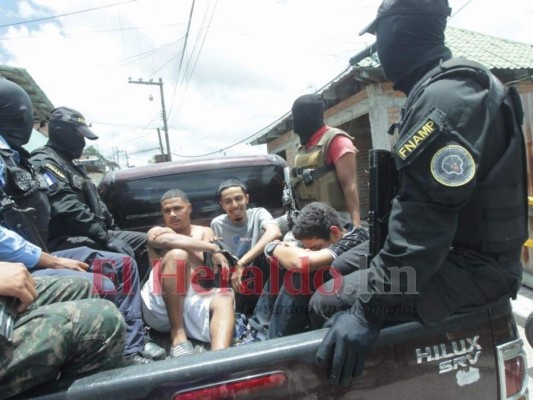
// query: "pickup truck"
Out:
[469,356]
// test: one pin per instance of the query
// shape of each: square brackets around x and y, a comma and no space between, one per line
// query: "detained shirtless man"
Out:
[172,298]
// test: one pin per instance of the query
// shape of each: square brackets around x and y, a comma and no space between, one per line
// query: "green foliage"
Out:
[92,151]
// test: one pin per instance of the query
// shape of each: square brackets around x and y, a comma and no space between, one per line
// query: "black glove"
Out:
[112,243]
[346,345]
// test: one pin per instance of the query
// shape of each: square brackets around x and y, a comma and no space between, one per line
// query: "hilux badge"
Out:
[455,355]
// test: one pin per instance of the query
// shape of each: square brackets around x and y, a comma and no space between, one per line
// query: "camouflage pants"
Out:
[65,332]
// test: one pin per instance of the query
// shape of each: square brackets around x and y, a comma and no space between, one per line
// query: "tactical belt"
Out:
[315,173]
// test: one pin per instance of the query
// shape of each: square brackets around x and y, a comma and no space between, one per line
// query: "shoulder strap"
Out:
[475,69]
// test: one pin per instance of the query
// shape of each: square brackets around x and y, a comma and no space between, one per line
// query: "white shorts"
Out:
[195,310]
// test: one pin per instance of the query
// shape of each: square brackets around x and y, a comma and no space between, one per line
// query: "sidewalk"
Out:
[523,305]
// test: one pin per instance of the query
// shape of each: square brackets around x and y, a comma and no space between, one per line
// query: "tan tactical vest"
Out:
[325,188]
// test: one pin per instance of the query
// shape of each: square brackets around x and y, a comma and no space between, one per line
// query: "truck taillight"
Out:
[512,369]
[235,389]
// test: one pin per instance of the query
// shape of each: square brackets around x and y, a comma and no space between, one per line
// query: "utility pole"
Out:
[164,112]
[160,142]
[115,155]
[127,159]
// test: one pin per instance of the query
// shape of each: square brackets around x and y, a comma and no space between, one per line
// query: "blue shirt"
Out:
[15,248]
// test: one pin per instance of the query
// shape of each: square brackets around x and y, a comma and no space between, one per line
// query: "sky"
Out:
[229,68]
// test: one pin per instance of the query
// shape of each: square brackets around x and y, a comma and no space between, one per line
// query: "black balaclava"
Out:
[16,114]
[409,46]
[307,116]
[64,138]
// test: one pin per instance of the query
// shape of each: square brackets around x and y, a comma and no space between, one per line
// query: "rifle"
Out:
[383,188]
[8,312]
[20,221]
[288,198]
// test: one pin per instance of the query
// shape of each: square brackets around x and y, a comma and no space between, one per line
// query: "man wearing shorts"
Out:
[173,299]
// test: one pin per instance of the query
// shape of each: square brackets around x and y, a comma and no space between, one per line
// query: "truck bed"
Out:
[455,359]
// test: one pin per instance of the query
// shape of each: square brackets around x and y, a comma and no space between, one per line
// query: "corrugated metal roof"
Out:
[493,52]
[41,104]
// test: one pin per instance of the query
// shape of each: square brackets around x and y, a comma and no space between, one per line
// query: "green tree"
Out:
[92,151]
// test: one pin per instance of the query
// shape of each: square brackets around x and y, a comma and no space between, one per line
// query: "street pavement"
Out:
[522,307]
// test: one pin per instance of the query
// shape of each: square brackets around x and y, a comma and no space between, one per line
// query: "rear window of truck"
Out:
[135,203]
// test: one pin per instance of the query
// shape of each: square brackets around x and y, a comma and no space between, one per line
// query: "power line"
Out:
[144,151]
[95,31]
[460,9]
[227,147]
[29,21]
[189,72]
[186,39]
[139,56]
[255,134]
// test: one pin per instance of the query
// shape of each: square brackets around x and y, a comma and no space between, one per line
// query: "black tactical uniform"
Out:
[27,189]
[79,217]
[458,224]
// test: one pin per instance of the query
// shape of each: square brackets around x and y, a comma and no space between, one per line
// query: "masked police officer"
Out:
[324,167]
[459,221]
[21,183]
[79,217]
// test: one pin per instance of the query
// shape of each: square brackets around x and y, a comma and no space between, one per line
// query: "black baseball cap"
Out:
[409,7]
[73,118]
[231,183]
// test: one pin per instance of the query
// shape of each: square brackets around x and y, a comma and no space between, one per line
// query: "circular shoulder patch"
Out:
[453,166]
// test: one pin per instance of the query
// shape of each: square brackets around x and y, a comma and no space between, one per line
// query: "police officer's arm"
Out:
[50,261]
[14,248]
[438,175]
[65,204]
[345,168]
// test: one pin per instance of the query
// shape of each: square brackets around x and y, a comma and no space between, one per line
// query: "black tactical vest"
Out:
[27,189]
[79,180]
[494,220]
